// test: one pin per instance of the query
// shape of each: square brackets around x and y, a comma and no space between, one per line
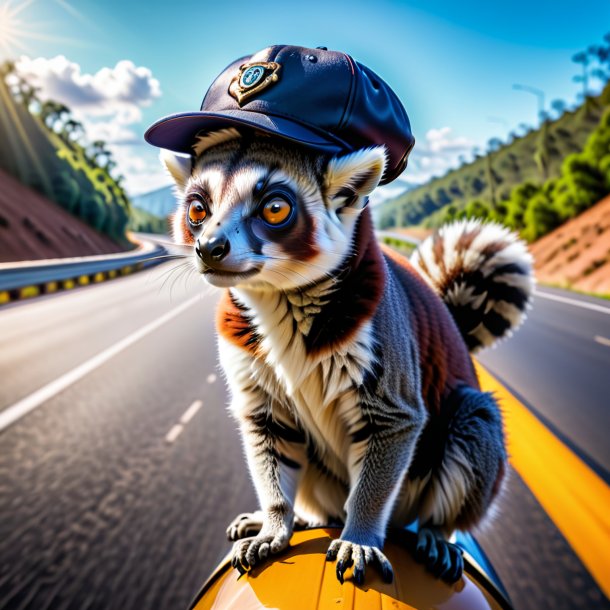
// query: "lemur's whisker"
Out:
[168,274]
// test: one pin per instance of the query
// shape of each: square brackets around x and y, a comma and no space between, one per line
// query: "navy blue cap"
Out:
[321,99]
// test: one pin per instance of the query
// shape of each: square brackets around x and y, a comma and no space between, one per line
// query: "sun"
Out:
[12,32]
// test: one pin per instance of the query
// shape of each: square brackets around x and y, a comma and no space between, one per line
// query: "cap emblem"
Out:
[253,78]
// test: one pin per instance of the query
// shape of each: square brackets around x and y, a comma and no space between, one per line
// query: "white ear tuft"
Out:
[359,172]
[178,167]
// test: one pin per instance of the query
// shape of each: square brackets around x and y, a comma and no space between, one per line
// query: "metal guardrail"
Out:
[15,276]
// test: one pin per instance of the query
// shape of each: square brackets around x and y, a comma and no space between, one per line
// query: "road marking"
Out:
[573,496]
[185,418]
[191,412]
[602,340]
[211,378]
[21,408]
[174,433]
[583,304]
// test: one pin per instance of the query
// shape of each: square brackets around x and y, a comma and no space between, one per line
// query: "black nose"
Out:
[213,250]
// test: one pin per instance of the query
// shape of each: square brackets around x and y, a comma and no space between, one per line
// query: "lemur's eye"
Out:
[197,212]
[276,211]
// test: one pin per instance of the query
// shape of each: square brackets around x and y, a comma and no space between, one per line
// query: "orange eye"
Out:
[197,212]
[276,211]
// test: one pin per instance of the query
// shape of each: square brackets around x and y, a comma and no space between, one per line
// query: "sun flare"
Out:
[12,32]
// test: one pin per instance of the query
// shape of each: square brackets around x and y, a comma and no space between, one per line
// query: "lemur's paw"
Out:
[252,551]
[443,559]
[359,555]
[244,525]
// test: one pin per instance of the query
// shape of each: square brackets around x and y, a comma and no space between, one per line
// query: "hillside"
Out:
[44,148]
[33,228]
[160,203]
[577,254]
[534,157]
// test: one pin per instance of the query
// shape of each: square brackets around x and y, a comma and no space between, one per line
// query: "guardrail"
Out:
[30,278]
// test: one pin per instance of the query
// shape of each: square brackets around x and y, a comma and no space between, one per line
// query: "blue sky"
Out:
[453,64]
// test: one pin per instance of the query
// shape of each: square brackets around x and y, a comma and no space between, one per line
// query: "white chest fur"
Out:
[320,390]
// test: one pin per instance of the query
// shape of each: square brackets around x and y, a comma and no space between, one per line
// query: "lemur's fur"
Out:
[351,382]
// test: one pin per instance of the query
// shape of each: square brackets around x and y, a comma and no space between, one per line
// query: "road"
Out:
[116,487]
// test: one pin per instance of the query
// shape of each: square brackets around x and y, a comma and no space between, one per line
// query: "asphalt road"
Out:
[108,501]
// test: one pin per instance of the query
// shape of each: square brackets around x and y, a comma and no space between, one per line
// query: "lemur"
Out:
[348,365]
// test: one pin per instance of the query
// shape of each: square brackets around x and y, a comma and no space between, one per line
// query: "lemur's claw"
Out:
[441,558]
[244,525]
[358,555]
[252,551]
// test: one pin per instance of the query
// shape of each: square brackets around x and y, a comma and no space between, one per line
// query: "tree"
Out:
[477,209]
[73,130]
[583,59]
[540,217]
[517,204]
[559,106]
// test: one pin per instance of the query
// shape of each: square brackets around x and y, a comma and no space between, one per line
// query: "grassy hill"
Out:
[533,158]
[144,222]
[59,168]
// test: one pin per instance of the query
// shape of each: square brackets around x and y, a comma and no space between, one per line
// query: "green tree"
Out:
[540,217]
[517,204]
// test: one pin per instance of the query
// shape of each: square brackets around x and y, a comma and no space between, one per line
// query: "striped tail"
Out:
[483,273]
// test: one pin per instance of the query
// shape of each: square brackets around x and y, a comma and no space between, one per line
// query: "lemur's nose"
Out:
[213,250]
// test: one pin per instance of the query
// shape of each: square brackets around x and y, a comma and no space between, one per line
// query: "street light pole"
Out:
[539,93]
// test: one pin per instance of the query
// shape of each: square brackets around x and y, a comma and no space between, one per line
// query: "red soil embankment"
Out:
[33,228]
[577,254]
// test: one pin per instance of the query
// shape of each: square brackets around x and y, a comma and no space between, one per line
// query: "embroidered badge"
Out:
[253,78]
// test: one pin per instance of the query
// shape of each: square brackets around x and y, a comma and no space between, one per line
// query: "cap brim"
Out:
[178,132]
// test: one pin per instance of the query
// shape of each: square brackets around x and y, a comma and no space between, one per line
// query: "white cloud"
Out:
[439,152]
[118,92]
[141,168]
[109,104]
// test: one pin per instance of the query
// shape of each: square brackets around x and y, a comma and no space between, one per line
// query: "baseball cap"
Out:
[318,98]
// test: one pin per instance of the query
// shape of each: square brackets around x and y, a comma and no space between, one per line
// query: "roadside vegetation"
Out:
[536,180]
[44,147]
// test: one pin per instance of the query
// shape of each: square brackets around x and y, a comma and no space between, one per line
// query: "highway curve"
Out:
[120,468]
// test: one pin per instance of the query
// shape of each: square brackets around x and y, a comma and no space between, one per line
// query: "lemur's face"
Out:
[259,212]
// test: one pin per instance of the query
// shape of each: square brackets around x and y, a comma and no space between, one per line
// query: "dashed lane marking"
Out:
[573,496]
[191,412]
[174,433]
[186,417]
[21,408]
[602,340]
[569,301]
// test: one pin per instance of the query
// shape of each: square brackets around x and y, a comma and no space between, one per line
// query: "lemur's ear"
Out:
[356,174]
[179,167]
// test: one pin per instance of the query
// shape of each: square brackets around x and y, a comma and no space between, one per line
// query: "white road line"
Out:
[174,433]
[191,412]
[602,340]
[21,408]
[211,378]
[583,304]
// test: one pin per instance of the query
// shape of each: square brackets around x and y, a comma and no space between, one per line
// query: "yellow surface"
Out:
[573,496]
[112,274]
[83,280]
[99,277]
[5,296]
[67,284]
[28,291]
[302,579]
[50,287]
